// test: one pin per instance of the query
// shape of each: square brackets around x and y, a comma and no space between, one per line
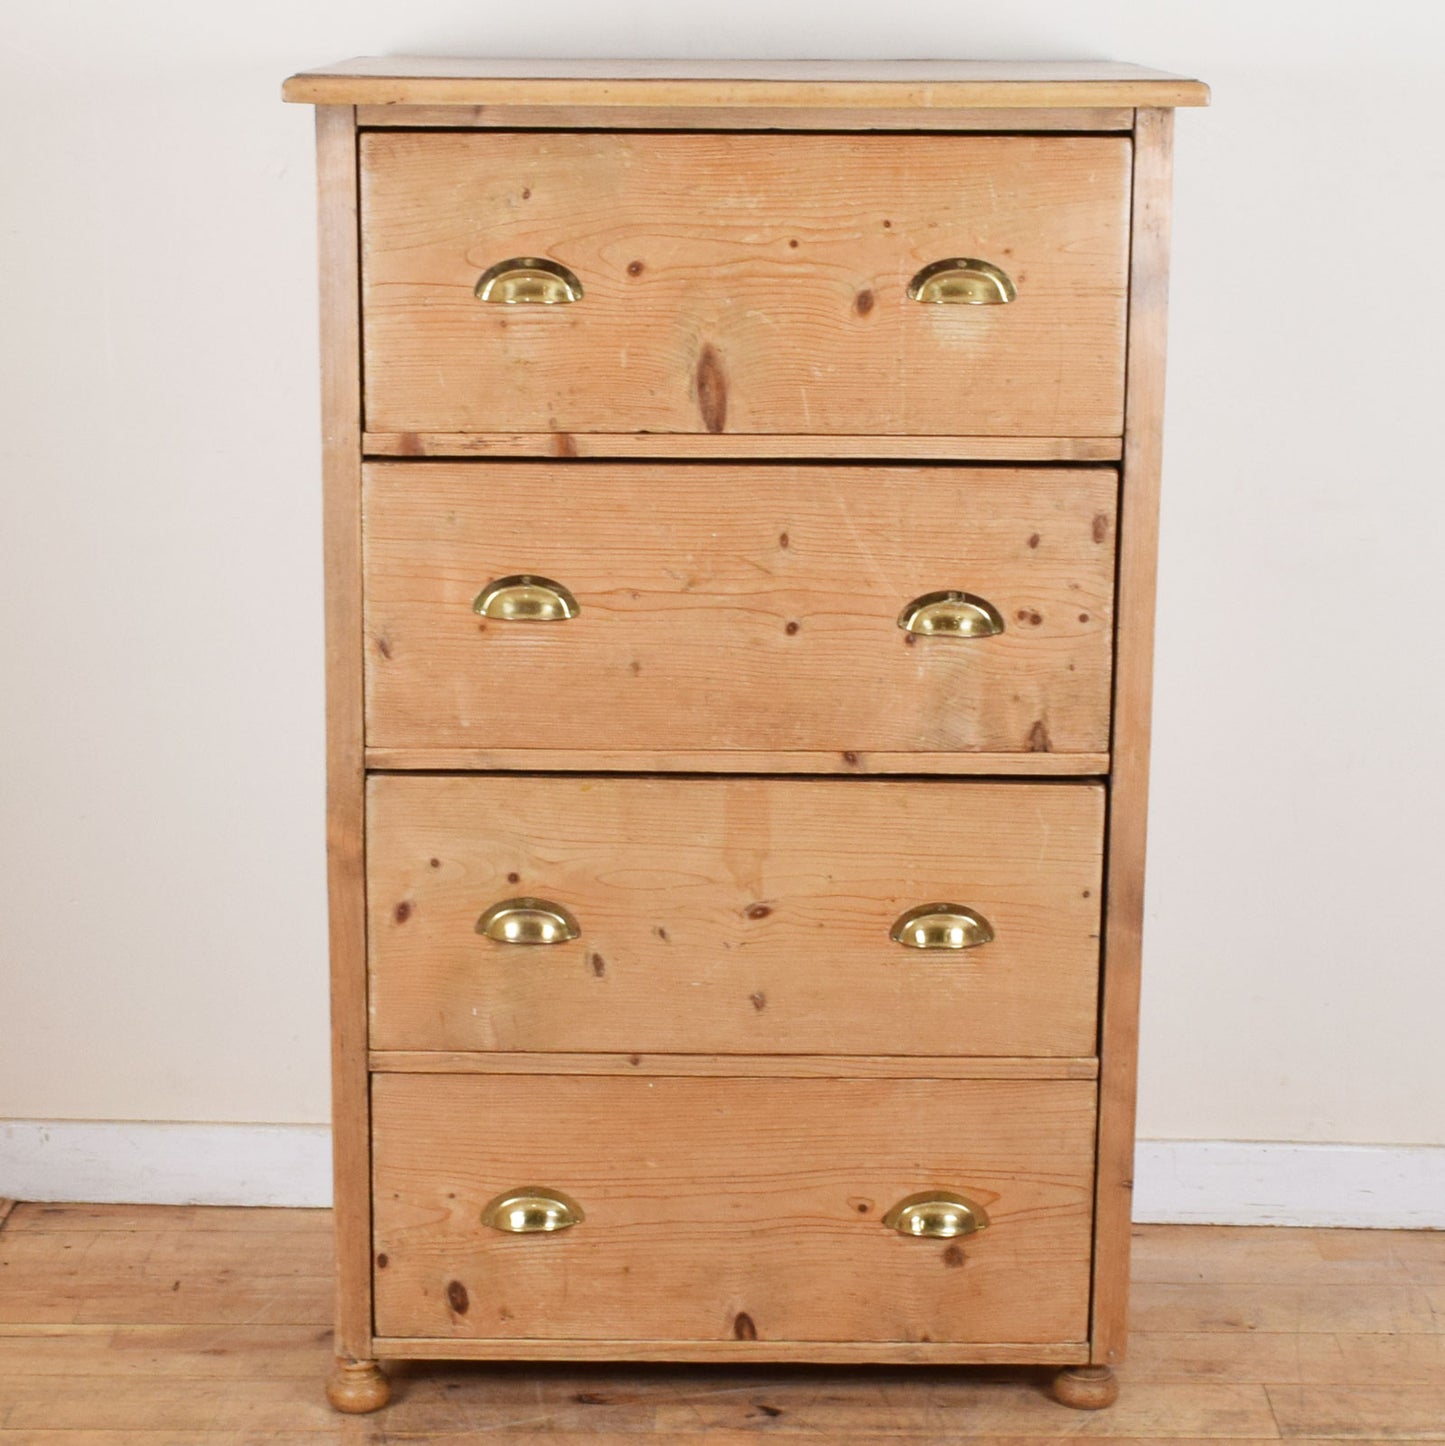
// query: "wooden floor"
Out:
[160,1326]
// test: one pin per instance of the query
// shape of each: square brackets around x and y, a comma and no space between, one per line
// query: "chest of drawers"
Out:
[740,499]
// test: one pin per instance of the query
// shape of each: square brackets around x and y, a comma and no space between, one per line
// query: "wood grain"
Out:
[1387,1410]
[1133,690]
[733,915]
[345,765]
[773,1066]
[295,1352]
[1320,1358]
[1366,1308]
[741,118]
[763,1223]
[837,1353]
[744,283]
[171,1254]
[738,608]
[1259,1255]
[718,447]
[111,1383]
[202,1296]
[744,299]
[798,84]
[964,1410]
[34,1217]
[850,762]
[41,1412]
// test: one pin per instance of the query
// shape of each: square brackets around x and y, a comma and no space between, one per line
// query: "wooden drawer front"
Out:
[744,283]
[731,1209]
[733,915]
[738,607]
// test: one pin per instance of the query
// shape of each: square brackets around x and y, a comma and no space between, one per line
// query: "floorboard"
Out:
[193,1326]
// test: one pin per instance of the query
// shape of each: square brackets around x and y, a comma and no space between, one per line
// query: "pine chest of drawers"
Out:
[740,498]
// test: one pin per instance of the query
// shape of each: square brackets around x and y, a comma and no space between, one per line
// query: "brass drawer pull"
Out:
[941,926]
[937,1215]
[528,280]
[523,598]
[528,921]
[532,1210]
[951,614]
[962,281]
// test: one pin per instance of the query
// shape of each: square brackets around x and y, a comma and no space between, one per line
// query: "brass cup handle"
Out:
[528,921]
[951,614]
[963,281]
[941,926]
[522,598]
[529,281]
[532,1210]
[937,1215]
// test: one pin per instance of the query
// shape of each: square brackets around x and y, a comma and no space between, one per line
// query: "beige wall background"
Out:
[161,883]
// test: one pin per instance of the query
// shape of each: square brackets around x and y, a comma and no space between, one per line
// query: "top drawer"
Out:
[746,284]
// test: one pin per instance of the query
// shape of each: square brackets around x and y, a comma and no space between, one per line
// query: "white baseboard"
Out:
[125,1163]
[1195,1182]
[1228,1182]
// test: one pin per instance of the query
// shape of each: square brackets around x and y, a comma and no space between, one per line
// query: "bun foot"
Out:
[1086,1388]
[357,1387]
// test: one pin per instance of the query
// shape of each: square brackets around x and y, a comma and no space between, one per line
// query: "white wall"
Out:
[160,693]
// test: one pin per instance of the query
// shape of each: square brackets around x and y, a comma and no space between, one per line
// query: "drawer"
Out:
[731,1209]
[747,284]
[736,608]
[734,916]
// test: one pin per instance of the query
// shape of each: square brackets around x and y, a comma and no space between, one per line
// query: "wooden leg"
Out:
[357,1387]
[1086,1388]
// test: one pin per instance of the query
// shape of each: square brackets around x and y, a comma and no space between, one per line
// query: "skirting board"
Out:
[1232,1182]
[111,1162]
[1197,1182]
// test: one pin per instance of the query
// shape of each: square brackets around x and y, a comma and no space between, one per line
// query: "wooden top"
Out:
[864,85]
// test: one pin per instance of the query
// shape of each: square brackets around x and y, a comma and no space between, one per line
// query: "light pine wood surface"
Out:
[734,915]
[345,762]
[805,85]
[738,608]
[736,617]
[756,446]
[848,763]
[779,117]
[178,1326]
[758,1066]
[725,1210]
[1133,703]
[744,283]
